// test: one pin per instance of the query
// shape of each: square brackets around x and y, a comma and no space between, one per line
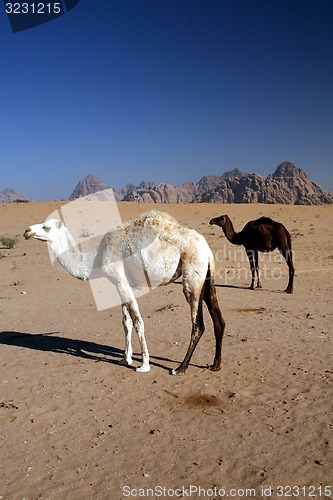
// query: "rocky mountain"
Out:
[289,184]
[91,184]
[12,196]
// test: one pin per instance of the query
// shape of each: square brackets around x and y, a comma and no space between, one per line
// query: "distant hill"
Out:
[11,196]
[91,184]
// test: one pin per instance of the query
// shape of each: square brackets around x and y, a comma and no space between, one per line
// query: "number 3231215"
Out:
[33,8]
[303,491]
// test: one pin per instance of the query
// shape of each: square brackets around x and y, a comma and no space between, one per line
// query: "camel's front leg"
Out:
[128,326]
[251,257]
[139,326]
[132,317]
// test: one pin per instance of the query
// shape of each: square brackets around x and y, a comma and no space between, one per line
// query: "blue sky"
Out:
[166,90]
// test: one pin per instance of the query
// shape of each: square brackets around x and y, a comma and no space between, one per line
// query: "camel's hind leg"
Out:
[210,299]
[289,260]
[286,251]
[195,301]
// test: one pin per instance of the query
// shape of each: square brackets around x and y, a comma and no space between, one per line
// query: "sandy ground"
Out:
[74,424]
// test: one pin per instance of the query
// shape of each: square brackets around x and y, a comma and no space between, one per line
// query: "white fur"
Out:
[158,244]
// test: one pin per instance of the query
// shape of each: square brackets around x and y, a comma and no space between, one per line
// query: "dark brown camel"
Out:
[261,235]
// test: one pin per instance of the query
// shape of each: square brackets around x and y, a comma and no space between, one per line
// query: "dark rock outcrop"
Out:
[153,192]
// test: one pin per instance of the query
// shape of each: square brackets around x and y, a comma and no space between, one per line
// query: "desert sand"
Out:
[77,425]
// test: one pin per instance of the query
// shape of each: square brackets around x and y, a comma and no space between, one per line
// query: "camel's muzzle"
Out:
[218,221]
[28,234]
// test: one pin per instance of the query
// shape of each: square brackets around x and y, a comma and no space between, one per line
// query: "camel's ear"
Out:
[59,224]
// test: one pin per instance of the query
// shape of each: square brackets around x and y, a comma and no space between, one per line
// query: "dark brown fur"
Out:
[261,235]
[208,294]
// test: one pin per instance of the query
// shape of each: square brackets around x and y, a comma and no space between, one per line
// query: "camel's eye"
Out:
[46,228]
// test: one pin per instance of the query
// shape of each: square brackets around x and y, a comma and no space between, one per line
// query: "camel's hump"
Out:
[154,218]
[265,220]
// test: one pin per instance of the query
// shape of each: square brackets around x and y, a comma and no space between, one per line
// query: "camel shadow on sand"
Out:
[243,287]
[240,287]
[51,342]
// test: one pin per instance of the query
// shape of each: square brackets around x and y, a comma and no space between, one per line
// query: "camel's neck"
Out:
[230,233]
[78,264]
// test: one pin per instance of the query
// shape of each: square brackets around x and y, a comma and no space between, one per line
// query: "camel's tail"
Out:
[289,241]
[210,298]
[288,255]
[286,248]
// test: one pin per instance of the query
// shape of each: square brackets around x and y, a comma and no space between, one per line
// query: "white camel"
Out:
[164,250]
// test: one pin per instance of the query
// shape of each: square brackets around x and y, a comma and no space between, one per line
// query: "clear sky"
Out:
[166,90]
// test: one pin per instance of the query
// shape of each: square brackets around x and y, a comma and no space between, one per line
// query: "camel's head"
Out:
[47,231]
[219,221]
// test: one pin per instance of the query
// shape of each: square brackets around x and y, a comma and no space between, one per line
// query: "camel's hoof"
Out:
[124,362]
[214,368]
[288,291]
[176,371]
[143,369]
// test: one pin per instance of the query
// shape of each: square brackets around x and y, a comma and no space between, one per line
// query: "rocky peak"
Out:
[91,184]
[11,195]
[236,172]
[287,170]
